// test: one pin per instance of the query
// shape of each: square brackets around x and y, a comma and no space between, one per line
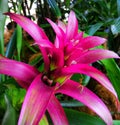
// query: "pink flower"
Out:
[71,53]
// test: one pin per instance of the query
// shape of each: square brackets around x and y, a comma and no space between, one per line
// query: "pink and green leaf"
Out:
[91,56]
[56,112]
[79,36]
[95,55]
[90,71]
[33,29]
[59,33]
[87,97]
[20,71]
[35,102]
[72,27]
[90,42]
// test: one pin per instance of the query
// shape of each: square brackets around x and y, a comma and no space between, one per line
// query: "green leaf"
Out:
[115,27]
[103,8]
[10,114]
[11,46]
[53,5]
[80,118]
[44,121]
[20,1]
[19,41]
[3,9]
[10,82]
[82,79]
[71,103]
[94,28]
[17,96]
[116,122]
[36,60]
[118,7]
[113,72]
[67,3]
[2,89]
[85,80]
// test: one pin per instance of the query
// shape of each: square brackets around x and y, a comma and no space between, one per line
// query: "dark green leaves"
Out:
[116,122]
[54,7]
[10,114]
[118,7]
[115,27]
[94,28]
[113,72]
[80,118]
[3,8]
[11,46]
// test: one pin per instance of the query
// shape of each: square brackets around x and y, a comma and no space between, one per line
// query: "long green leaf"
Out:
[113,72]
[80,118]
[115,27]
[10,114]
[19,41]
[67,3]
[11,46]
[71,103]
[118,7]
[94,28]
[19,33]
[116,122]
[3,8]
[54,7]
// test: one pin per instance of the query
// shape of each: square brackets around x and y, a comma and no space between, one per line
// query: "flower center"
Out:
[47,81]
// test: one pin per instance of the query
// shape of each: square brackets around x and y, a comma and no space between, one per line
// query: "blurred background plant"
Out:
[96,17]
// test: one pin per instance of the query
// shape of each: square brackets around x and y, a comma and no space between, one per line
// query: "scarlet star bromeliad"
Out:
[71,53]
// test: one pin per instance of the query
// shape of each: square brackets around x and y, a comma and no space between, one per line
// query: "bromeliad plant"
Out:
[71,53]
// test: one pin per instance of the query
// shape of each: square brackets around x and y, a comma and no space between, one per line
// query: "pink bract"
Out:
[71,53]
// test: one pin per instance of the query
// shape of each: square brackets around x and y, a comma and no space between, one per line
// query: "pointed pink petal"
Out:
[95,55]
[60,34]
[35,103]
[62,25]
[57,42]
[71,46]
[91,42]
[56,112]
[18,70]
[91,56]
[33,29]
[73,55]
[72,27]
[79,36]
[87,97]
[90,71]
